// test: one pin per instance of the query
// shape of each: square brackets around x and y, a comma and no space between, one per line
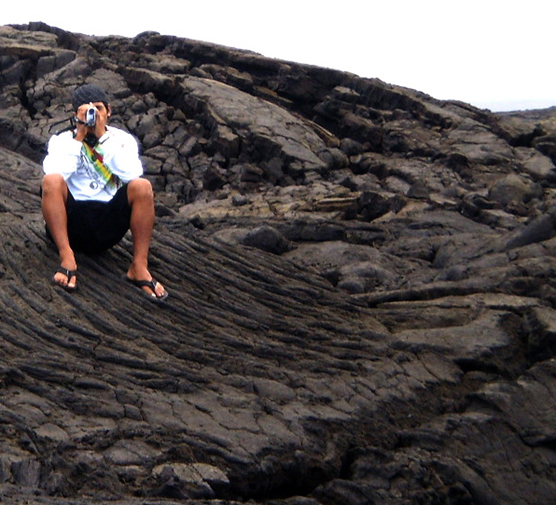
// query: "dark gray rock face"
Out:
[362,307]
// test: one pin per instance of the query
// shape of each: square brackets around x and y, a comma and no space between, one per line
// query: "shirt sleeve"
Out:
[63,155]
[124,160]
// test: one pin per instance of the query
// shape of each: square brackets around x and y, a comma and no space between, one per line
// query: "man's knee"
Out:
[139,189]
[53,184]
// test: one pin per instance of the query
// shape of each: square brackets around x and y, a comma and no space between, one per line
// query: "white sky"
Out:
[496,54]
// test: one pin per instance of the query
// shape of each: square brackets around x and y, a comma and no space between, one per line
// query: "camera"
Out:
[90,117]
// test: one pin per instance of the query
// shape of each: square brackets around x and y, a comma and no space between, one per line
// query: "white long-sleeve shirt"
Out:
[65,156]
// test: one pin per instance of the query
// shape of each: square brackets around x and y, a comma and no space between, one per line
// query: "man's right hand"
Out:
[82,130]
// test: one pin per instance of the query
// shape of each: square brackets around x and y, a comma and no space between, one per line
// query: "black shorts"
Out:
[94,227]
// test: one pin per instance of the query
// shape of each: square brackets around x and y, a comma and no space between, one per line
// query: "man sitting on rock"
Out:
[93,193]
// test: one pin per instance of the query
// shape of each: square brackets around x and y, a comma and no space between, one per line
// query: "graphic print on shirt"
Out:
[86,166]
[92,161]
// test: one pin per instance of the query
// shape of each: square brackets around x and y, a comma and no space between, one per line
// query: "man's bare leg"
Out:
[54,198]
[141,199]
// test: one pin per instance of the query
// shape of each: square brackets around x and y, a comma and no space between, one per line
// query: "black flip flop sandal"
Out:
[152,286]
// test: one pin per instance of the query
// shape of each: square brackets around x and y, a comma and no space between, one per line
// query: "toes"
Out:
[60,279]
[65,278]
[159,290]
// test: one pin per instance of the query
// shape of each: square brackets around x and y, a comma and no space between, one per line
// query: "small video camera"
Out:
[90,117]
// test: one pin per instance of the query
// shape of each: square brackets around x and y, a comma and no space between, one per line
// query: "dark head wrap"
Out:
[88,93]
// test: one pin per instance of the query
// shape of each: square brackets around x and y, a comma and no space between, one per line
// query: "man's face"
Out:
[102,110]
[103,113]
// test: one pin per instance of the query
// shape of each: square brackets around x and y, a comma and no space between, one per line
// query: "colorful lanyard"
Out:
[111,180]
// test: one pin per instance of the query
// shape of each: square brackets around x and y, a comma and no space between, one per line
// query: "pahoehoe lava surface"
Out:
[362,295]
